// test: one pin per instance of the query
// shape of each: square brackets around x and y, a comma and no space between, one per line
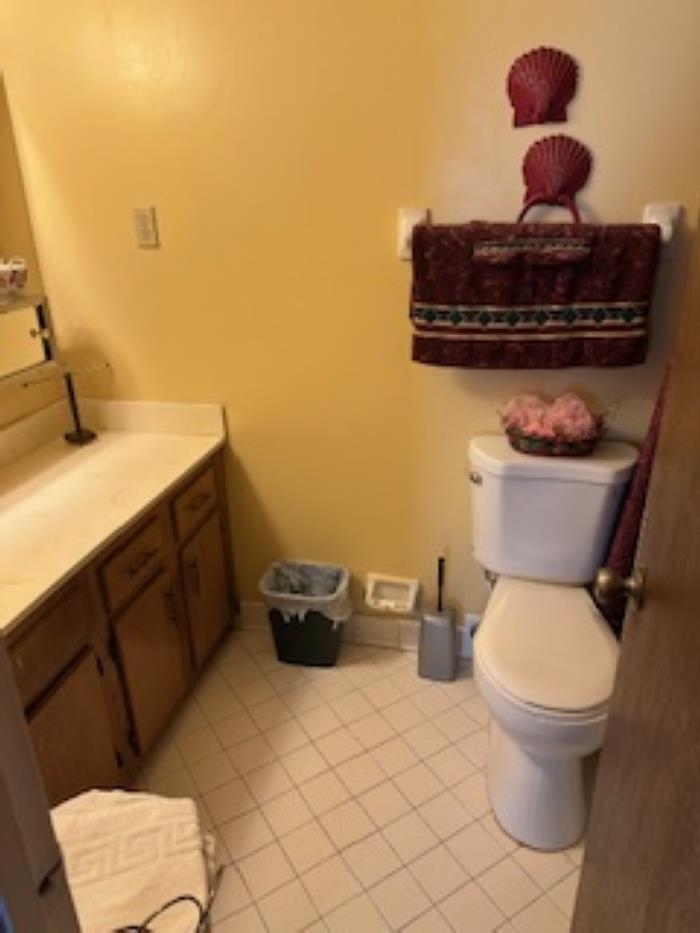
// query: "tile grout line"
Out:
[364,681]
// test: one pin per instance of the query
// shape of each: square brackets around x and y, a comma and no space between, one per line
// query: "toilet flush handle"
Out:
[476,478]
[611,586]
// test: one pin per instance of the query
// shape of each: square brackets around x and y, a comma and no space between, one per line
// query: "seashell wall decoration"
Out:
[540,84]
[555,169]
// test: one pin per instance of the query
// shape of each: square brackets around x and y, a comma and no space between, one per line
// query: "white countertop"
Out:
[59,505]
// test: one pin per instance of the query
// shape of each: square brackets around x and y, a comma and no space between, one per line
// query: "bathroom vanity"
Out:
[115,586]
[115,572]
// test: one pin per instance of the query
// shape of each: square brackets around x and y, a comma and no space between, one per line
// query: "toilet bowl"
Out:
[544,658]
[544,663]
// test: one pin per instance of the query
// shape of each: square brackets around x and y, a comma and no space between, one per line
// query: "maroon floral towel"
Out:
[623,548]
[532,296]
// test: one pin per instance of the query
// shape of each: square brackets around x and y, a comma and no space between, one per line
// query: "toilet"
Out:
[544,658]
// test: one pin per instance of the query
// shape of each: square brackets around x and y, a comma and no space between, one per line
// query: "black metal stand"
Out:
[79,435]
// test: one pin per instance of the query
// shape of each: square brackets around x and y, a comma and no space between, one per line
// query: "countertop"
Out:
[60,505]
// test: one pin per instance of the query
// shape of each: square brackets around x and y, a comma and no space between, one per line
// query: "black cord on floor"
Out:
[144,928]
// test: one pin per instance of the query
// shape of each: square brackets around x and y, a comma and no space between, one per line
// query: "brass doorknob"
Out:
[610,586]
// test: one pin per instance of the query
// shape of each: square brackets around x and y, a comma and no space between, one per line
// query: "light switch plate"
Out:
[146,228]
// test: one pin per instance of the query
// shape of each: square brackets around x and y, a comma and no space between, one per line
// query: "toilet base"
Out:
[538,800]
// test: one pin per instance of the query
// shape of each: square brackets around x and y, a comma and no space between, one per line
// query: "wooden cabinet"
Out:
[72,733]
[195,501]
[58,657]
[132,564]
[168,595]
[150,646]
[102,666]
[54,638]
[206,587]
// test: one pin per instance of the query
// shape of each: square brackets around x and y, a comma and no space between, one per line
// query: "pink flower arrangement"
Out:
[567,422]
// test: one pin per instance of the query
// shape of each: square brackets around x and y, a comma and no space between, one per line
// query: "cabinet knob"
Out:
[137,565]
[170,605]
[195,504]
[192,568]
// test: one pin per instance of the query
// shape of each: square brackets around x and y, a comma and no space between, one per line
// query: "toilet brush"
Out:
[437,654]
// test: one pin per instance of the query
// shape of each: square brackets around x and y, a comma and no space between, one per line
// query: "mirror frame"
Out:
[49,367]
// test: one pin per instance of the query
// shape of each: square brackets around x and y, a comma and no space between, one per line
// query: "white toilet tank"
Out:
[545,518]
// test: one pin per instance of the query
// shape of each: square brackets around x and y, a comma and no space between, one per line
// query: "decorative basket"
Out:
[551,446]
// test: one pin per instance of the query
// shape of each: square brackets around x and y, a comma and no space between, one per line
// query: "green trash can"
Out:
[307,604]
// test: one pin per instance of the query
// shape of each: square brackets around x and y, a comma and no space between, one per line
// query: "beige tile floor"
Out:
[352,799]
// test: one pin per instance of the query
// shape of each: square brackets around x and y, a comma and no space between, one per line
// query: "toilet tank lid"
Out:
[548,645]
[610,463]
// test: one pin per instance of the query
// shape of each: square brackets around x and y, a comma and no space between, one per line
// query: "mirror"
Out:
[25,338]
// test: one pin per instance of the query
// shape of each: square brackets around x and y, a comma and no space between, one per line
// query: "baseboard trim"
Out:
[360,629]
[252,615]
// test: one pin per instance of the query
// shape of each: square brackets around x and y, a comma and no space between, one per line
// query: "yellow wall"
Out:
[278,140]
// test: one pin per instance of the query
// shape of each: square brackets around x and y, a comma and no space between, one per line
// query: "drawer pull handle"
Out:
[192,568]
[198,501]
[137,565]
[170,605]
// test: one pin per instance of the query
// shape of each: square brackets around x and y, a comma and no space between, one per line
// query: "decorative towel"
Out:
[624,543]
[126,854]
[532,296]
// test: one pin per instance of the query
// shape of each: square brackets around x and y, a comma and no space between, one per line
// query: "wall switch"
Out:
[408,218]
[146,228]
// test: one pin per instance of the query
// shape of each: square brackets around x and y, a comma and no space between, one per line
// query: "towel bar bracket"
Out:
[407,220]
[667,215]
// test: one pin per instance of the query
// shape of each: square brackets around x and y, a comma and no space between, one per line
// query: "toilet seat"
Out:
[547,648]
[539,716]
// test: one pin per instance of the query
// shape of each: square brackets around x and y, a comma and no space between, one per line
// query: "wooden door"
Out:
[72,734]
[204,573]
[150,643]
[641,872]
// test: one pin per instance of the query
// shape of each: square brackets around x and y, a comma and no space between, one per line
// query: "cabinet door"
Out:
[71,731]
[204,572]
[150,643]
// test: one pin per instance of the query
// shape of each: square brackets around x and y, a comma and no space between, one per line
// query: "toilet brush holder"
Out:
[437,649]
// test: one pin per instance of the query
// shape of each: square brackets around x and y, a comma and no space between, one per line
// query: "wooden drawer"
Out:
[53,639]
[194,502]
[134,564]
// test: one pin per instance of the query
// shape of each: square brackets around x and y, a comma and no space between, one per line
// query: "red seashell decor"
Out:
[540,85]
[554,170]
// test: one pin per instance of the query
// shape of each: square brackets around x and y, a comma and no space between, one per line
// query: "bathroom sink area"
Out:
[60,504]
[116,582]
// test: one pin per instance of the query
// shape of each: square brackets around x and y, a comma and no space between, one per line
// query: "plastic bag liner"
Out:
[297,587]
